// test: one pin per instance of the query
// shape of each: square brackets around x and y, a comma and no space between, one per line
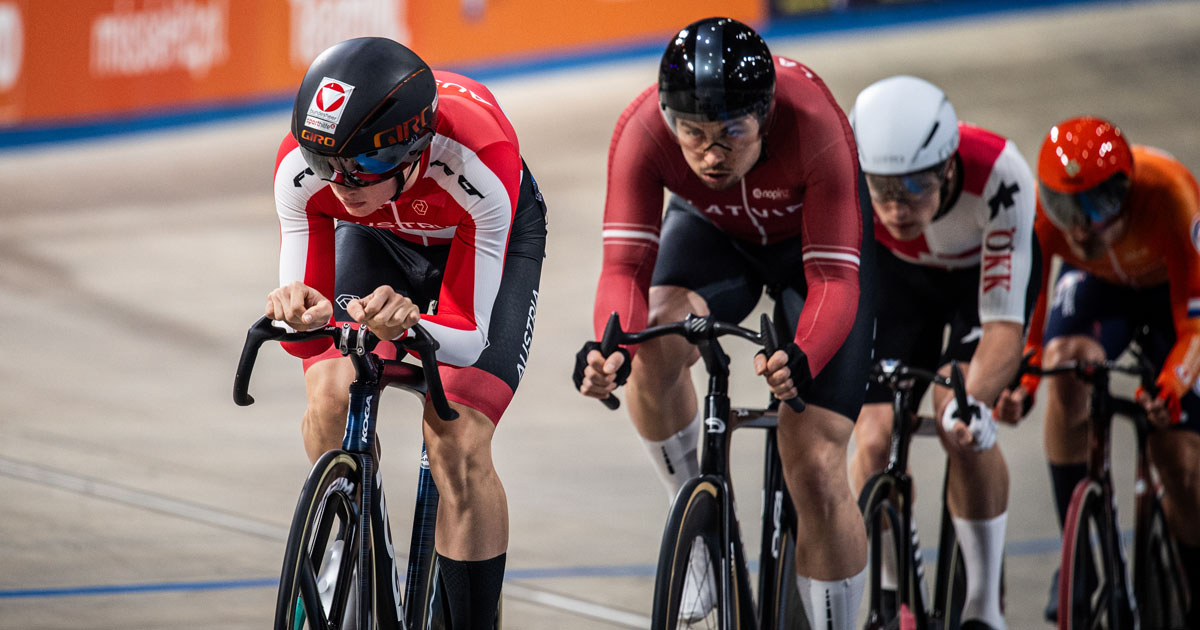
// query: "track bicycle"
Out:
[1093,588]
[703,512]
[886,502]
[340,568]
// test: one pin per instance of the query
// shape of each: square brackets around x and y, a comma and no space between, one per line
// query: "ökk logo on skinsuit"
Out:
[327,105]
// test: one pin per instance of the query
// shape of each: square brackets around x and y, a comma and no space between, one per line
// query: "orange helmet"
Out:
[1085,169]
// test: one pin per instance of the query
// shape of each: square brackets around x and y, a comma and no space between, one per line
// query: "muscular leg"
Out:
[1066,426]
[327,385]
[831,546]
[472,520]
[1176,454]
[660,394]
[872,439]
[977,498]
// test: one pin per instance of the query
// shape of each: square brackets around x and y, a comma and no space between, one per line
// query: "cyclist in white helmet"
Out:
[954,207]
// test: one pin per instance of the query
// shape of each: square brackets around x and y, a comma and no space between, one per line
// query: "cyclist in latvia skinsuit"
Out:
[763,183]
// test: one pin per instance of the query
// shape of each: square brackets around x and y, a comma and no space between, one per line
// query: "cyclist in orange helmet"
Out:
[1125,220]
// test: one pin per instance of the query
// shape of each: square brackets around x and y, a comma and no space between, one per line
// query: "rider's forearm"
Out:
[995,361]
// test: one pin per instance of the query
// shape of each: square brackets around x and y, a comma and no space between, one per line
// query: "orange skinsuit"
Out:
[1161,244]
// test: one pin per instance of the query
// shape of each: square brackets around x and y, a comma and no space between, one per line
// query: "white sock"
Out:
[832,605]
[675,458]
[982,544]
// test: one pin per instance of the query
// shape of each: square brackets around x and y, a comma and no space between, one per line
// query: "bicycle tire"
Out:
[1159,581]
[695,517]
[878,510]
[950,587]
[791,615]
[1085,581]
[331,497]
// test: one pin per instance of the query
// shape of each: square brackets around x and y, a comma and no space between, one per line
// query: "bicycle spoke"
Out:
[311,597]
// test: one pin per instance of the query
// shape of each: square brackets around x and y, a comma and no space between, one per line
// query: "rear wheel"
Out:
[881,517]
[1159,581]
[318,566]
[694,527]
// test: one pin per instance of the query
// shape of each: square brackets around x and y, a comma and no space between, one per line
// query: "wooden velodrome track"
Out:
[134,494]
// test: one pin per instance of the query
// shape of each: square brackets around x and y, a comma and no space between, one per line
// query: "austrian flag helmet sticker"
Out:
[327,105]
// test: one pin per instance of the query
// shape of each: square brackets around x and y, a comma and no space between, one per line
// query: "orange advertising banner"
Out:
[65,61]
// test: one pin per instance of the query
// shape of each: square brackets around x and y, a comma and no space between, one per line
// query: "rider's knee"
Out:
[328,402]
[1069,393]
[812,480]
[1178,464]
[460,460]
[873,436]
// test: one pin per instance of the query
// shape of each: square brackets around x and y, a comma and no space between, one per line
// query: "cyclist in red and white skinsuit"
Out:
[764,191]
[400,189]
[954,207]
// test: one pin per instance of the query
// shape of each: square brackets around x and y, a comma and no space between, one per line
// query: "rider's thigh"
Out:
[327,386]
[873,434]
[665,357]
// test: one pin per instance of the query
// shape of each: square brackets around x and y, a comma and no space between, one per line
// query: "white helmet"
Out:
[903,124]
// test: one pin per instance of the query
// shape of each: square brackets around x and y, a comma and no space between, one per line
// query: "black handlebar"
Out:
[894,373]
[1093,372]
[695,329]
[358,341]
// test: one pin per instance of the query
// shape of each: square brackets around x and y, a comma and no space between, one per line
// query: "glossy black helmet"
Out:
[366,108]
[716,69]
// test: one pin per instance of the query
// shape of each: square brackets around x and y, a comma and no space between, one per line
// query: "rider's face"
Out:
[906,204]
[361,201]
[720,153]
[1090,243]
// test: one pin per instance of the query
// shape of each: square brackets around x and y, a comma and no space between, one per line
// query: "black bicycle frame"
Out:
[719,422]
[912,570]
[372,375]
[1103,406]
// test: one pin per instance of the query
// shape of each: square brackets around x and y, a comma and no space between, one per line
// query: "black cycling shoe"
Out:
[1051,611]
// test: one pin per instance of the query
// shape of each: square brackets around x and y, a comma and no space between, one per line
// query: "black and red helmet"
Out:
[366,108]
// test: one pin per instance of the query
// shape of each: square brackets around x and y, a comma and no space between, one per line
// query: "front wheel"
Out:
[318,565]
[1088,581]
[881,516]
[687,587]
[1159,581]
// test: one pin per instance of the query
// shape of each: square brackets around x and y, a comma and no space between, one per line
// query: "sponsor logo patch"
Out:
[328,104]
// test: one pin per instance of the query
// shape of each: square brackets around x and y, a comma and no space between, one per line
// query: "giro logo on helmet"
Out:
[406,131]
[328,103]
[316,137]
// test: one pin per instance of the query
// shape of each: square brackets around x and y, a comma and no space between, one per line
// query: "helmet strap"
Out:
[402,178]
[952,185]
